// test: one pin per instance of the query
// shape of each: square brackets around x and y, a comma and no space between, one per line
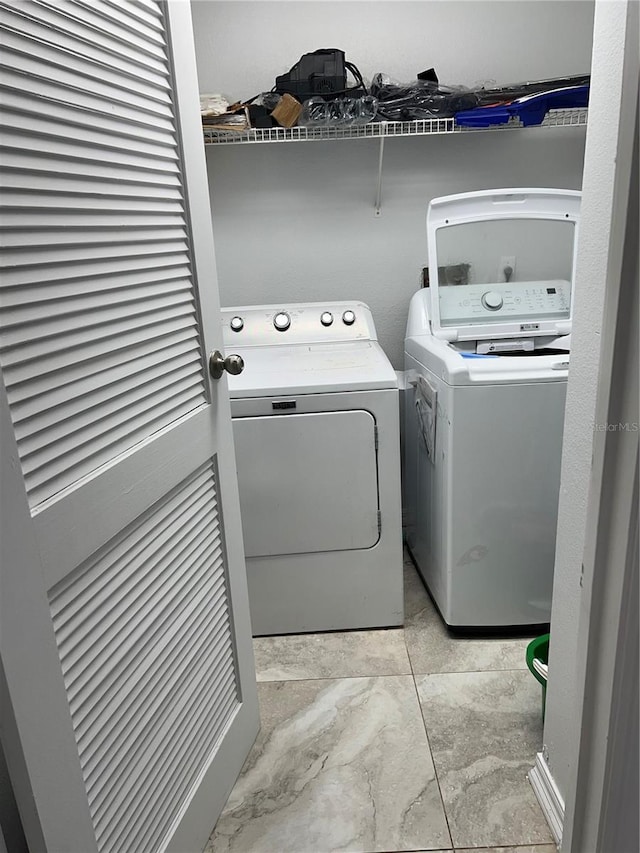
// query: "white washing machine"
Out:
[486,360]
[316,431]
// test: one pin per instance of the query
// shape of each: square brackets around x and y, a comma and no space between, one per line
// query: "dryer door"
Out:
[308,482]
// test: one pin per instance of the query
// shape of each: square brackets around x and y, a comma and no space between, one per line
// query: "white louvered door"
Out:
[128,689]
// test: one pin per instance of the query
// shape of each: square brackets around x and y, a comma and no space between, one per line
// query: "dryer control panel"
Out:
[315,322]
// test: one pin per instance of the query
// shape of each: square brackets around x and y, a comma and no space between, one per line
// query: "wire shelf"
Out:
[576,117]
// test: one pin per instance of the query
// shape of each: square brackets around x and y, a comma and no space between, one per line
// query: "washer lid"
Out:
[502,263]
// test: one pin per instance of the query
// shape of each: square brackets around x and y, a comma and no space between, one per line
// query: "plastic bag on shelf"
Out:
[498,94]
[421,99]
[343,112]
[427,98]
[213,105]
[528,103]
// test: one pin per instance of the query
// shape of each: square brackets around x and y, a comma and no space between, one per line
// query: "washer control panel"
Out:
[260,325]
[527,300]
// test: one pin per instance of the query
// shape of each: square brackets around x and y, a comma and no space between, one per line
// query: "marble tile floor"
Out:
[390,740]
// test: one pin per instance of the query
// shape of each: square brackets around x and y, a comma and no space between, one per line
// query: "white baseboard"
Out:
[548,795]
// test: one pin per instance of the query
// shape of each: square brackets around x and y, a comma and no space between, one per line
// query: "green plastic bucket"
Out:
[538,649]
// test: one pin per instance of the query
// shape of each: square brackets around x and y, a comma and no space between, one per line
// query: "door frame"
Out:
[591,668]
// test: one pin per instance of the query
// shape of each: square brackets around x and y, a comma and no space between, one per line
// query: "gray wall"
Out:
[295,221]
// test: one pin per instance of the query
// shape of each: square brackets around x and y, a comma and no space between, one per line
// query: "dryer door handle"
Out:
[233,364]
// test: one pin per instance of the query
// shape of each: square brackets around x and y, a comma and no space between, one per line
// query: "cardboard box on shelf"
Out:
[287,111]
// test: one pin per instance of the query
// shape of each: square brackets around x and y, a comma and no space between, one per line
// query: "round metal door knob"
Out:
[233,364]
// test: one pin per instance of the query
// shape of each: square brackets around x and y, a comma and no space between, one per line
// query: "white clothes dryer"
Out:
[486,359]
[316,431]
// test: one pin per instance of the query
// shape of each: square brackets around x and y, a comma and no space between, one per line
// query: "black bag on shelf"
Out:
[323,73]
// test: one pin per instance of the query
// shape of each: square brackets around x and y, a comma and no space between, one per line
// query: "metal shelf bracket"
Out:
[378,201]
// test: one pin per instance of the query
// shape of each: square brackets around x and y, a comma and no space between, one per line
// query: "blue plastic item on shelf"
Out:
[531,109]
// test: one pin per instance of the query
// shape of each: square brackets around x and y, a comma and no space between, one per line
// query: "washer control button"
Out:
[492,300]
[326,318]
[282,321]
[236,324]
[348,318]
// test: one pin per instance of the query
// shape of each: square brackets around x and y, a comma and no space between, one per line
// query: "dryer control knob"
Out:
[492,300]
[326,318]
[282,321]
[348,318]
[236,324]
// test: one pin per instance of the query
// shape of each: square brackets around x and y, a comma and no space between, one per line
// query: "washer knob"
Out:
[492,300]
[236,324]
[282,321]
[326,318]
[348,318]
